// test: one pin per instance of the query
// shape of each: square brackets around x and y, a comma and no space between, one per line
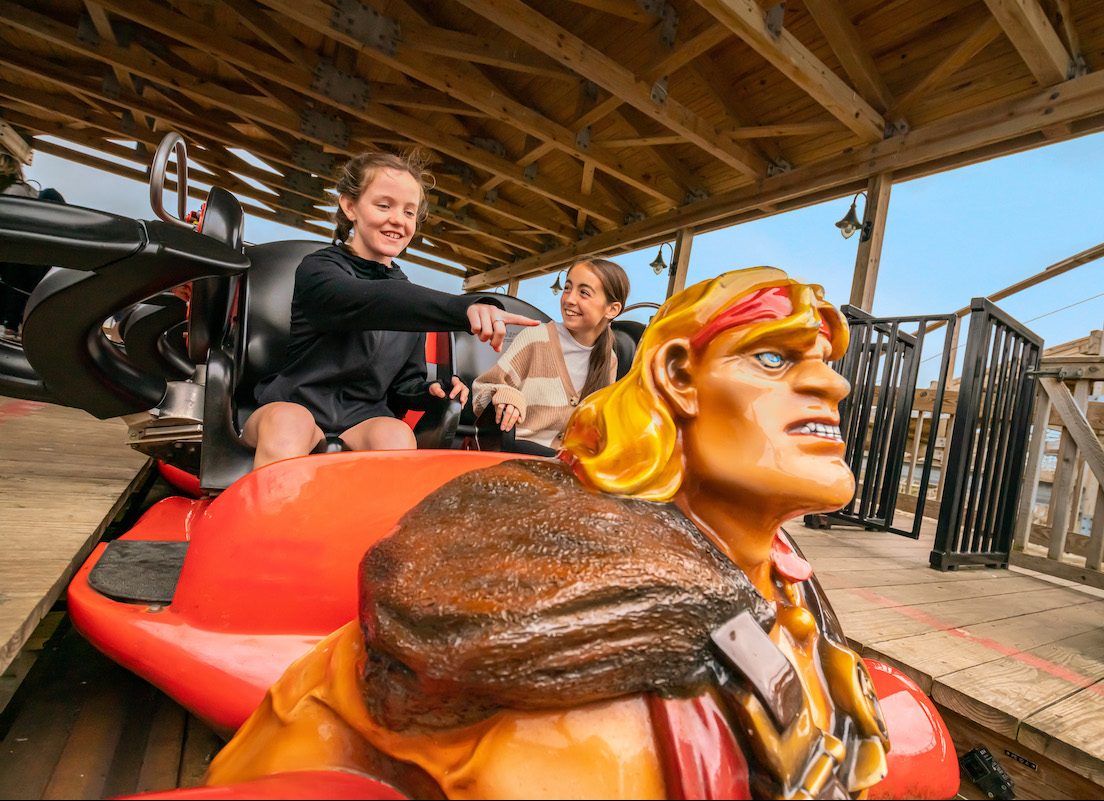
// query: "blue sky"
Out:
[949,237]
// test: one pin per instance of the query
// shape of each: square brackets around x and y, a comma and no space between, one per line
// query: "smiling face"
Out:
[385,215]
[584,307]
[764,434]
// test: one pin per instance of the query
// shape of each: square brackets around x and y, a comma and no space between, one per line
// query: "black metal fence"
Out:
[882,363]
[984,461]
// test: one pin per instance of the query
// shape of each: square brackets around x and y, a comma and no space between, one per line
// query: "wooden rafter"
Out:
[746,19]
[559,43]
[994,128]
[300,77]
[1026,25]
[465,83]
[974,43]
[851,51]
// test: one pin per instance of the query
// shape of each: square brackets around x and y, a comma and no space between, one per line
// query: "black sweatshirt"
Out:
[357,348]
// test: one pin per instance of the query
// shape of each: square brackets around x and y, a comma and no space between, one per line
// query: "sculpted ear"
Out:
[674,377]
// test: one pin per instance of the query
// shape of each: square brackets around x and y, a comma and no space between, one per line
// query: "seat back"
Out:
[209,307]
[626,336]
[255,346]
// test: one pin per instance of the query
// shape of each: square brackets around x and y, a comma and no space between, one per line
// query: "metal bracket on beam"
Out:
[365,24]
[668,30]
[896,128]
[297,203]
[86,31]
[304,184]
[778,166]
[582,138]
[327,127]
[287,218]
[346,89]
[313,160]
[694,195]
[110,85]
[531,171]
[490,145]
[491,196]
[659,91]
[775,19]
[126,121]
[461,171]
[634,216]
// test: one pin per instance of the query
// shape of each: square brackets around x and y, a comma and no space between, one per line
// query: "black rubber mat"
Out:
[145,571]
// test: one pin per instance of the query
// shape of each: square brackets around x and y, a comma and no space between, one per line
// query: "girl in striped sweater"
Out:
[540,379]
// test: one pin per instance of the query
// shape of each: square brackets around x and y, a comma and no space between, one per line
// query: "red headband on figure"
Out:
[772,303]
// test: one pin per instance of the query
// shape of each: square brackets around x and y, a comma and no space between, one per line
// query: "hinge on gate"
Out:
[368,26]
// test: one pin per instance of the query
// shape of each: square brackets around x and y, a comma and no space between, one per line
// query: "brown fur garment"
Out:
[515,587]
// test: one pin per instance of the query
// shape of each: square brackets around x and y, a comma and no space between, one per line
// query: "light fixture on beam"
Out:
[850,222]
[658,265]
[557,287]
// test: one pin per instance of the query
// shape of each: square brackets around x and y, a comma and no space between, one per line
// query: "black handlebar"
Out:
[108,263]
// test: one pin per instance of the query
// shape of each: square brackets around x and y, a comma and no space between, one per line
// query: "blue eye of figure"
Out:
[770,359]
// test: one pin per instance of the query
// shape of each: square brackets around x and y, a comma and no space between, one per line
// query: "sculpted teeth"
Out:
[818,430]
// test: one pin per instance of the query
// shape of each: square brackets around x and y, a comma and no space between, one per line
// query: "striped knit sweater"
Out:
[533,376]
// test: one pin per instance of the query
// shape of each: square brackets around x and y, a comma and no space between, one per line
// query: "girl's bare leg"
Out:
[380,434]
[280,431]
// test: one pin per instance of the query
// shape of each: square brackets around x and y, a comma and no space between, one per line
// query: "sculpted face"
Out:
[761,421]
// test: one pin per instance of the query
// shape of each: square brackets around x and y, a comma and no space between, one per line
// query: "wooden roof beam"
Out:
[746,19]
[1025,24]
[300,77]
[974,43]
[14,144]
[937,146]
[851,51]
[463,82]
[547,36]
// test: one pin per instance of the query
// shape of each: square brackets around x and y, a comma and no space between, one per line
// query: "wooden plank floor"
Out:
[1009,653]
[63,476]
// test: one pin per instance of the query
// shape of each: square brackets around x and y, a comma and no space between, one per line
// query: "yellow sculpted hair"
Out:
[623,437]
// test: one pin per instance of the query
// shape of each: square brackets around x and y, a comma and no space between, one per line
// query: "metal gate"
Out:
[882,363]
[985,458]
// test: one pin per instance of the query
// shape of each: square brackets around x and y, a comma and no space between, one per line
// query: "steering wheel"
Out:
[171,141]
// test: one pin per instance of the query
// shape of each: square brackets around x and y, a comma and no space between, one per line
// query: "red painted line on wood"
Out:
[1046,666]
[19,408]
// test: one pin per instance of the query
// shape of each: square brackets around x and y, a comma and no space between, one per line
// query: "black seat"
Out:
[469,358]
[255,346]
[626,336]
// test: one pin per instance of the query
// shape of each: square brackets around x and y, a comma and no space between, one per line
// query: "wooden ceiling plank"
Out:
[295,76]
[626,9]
[1025,24]
[746,19]
[469,195]
[675,171]
[465,83]
[973,44]
[851,51]
[547,36]
[469,47]
[994,127]
[791,129]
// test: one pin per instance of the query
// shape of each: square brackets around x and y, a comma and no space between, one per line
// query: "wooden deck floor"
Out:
[63,477]
[1013,658]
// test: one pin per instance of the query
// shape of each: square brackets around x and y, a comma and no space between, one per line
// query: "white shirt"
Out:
[576,357]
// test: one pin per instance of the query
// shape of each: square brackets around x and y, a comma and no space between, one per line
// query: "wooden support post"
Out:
[680,261]
[1065,484]
[512,287]
[13,143]
[1025,512]
[915,455]
[870,243]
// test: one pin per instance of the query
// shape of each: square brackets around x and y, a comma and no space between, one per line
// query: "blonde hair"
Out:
[623,438]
